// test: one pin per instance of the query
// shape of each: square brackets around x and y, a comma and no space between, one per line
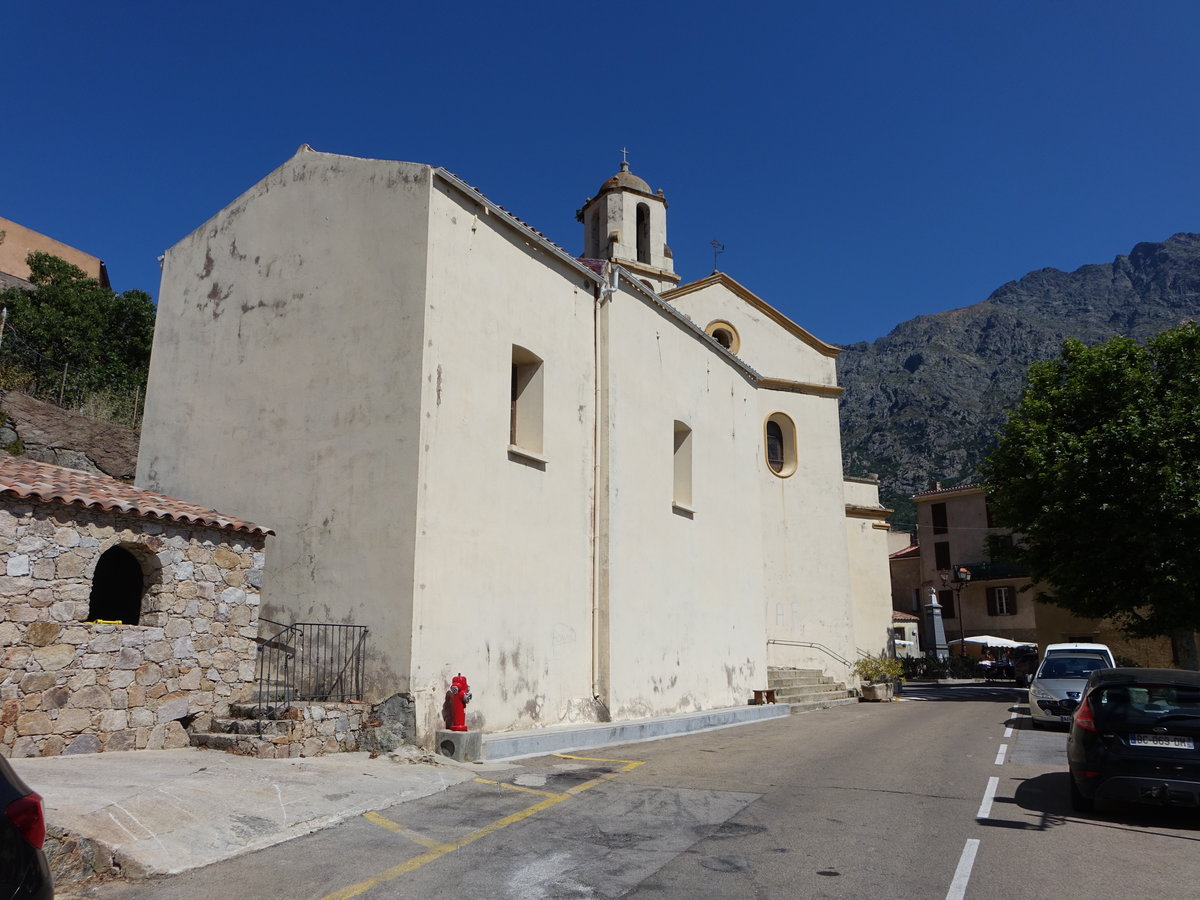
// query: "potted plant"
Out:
[878,674]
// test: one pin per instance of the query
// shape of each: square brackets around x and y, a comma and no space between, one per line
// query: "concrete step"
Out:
[798,695]
[266,727]
[241,744]
[269,711]
[798,681]
[822,704]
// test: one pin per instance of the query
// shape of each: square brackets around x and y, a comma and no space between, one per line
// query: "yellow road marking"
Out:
[427,843]
[518,787]
[629,766]
[436,849]
[430,855]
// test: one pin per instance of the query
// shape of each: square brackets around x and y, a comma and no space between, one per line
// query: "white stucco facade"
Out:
[504,462]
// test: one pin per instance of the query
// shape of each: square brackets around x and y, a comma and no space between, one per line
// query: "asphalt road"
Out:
[943,794]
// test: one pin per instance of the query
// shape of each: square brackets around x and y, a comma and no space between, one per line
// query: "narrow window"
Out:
[594,235]
[775,446]
[117,588]
[682,482]
[941,555]
[643,233]
[938,511]
[946,599]
[1001,601]
[779,441]
[525,412]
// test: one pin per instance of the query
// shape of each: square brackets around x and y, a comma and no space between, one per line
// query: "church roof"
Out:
[26,479]
[625,179]
[758,303]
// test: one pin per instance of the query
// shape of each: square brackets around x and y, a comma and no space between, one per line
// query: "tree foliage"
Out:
[1098,472]
[71,330]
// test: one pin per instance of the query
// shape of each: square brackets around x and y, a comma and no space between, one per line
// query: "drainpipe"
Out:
[600,628]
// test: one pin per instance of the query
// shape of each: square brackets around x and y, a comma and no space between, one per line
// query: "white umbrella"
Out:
[990,641]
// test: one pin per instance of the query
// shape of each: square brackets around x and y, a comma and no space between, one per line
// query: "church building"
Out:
[596,492]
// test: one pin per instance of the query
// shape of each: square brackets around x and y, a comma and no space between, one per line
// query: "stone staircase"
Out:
[806,689]
[243,733]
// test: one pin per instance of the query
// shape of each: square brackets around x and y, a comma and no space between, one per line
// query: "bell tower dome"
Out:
[626,222]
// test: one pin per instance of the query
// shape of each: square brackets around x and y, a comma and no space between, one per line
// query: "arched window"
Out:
[780,444]
[117,588]
[643,233]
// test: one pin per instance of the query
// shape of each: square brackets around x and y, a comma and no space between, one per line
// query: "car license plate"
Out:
[1161,740]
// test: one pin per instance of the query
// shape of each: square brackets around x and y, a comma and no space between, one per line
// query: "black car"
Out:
[1135,737]
[24,873]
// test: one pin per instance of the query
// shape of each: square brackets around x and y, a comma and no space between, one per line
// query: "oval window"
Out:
[724,334]
[780,444]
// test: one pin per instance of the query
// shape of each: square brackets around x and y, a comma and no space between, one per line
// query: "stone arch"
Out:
[121,581]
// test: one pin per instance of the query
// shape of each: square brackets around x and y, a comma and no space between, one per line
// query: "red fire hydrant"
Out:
[460,696]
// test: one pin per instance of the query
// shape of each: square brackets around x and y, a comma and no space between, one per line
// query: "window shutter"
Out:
[946,599]
[991,602]
[1012,601]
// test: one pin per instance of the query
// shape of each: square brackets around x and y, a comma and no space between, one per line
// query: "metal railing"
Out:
[309,661]
[329,665]
[815,646]
[276,668]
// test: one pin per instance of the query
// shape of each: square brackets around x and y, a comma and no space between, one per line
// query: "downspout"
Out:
[600,644]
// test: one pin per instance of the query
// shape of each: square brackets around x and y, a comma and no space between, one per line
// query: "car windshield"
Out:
[1145,703]
[1071,667]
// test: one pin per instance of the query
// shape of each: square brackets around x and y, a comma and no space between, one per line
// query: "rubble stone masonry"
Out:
[71,686]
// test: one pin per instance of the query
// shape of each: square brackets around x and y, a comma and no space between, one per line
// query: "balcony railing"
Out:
[990,571]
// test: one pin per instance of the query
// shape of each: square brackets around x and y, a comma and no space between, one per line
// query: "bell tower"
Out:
[627,223]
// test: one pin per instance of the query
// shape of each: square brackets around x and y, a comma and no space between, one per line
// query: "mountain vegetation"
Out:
[73,341]
[925,402]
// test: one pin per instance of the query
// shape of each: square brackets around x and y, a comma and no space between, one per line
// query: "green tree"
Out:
[1098,472]
[70,323]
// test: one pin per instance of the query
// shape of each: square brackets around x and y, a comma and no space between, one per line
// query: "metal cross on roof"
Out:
[624,155]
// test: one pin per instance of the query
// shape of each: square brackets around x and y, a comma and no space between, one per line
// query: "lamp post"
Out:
[962,577]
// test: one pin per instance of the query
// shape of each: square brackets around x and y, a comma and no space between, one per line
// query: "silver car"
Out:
[1058,684]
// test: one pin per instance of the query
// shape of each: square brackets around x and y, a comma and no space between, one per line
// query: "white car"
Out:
[1100,650]
[1058,684]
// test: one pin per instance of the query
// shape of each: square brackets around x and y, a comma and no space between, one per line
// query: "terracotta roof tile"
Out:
[912,551]
[898,616]
[968,486]
[26,479]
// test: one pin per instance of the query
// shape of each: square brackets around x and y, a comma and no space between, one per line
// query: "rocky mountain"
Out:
[925,402]
[44,432]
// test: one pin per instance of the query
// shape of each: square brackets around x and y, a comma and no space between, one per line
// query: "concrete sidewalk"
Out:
[158,812]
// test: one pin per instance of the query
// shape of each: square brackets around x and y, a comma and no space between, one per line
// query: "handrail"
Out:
[275,669]
[815,646]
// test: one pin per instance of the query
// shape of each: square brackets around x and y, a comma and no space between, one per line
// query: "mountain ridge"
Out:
[925,401]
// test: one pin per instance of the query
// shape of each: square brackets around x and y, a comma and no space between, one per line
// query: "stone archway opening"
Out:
[118,586]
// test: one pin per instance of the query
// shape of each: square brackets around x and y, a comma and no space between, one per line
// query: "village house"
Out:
[125,616]
[598,494]
[983,595]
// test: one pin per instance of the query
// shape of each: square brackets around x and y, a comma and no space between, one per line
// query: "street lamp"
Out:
[961,580]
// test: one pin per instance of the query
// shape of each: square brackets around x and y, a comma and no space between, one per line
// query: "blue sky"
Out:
[862,163]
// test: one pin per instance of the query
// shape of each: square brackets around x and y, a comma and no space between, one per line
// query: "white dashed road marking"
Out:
[985,808]
[962,875]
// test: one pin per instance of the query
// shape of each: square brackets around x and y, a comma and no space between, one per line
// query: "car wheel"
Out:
[1079,803]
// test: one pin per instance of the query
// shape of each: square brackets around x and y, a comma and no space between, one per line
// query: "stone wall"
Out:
[70,686]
